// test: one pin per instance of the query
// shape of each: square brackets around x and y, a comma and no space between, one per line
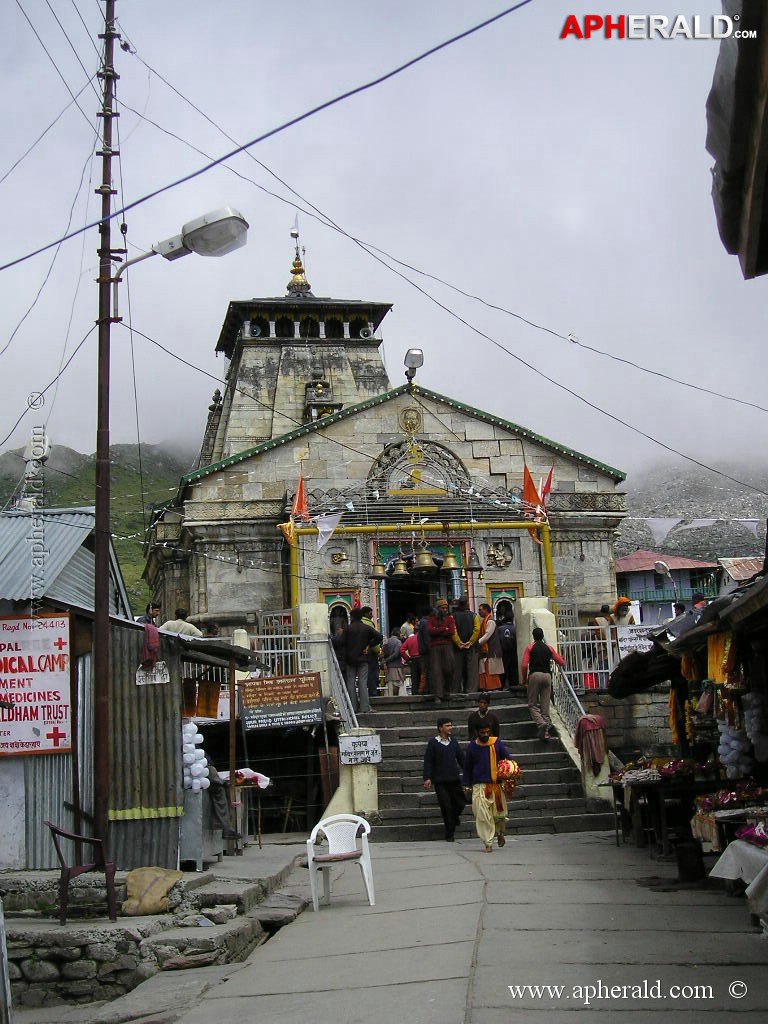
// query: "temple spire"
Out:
[298,286]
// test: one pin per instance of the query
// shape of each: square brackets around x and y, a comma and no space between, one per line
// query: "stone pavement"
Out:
[453,928]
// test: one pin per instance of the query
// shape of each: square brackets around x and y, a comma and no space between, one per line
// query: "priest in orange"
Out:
[491,660]
[481,782]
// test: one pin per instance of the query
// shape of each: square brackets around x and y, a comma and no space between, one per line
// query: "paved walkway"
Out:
[453,928]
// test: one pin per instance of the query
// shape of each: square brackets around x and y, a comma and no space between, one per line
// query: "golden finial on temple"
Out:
[298,285]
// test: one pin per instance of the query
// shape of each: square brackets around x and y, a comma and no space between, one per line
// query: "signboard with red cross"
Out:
[34,685]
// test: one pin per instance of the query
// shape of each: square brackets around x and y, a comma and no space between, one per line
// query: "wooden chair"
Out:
[69,872]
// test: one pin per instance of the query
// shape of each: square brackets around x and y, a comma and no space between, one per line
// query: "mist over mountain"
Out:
[149,475]
[141,477]
[679,490]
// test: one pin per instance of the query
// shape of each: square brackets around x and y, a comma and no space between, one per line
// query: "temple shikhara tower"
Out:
[429,492]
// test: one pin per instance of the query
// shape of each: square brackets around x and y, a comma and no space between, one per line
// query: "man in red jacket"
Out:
[537,674]
[441,626]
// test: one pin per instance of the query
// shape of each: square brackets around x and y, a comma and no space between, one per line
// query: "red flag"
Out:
[299,506]
[531,499]
[547,486]
[357,599]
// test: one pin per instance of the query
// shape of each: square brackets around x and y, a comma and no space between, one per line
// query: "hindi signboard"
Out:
[34,679]
[633,638]
[278,702]
[360,749]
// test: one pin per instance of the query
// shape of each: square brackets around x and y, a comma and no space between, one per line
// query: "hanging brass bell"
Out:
[450,561]
[423,560]
[473,565]
[400,569]
[378,571]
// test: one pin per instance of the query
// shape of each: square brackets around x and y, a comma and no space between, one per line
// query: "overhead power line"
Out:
[326,105]
[316,214]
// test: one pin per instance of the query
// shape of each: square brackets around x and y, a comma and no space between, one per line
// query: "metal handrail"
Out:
[569,707]
[339,691]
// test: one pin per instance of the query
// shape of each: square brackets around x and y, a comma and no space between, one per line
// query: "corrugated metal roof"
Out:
[741,568]
[643,561]
[42,555]
[36,546]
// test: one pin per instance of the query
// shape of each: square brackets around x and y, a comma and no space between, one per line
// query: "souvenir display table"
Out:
[657,797]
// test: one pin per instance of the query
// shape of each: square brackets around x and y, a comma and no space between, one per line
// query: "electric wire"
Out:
[372,251]
[42,135]
[327,104]
[50,384]
[43,283]
[327,221]
[72,48]
[512,503]
[87,29]
[59,73]
[50,408]
[569,338]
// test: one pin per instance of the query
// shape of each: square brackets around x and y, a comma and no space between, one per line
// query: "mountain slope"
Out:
[682,492]
[135,485]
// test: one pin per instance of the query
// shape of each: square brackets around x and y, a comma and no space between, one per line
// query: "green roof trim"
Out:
[370,403]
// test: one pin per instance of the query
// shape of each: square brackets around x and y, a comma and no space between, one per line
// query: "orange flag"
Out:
[531,499]
[299,506]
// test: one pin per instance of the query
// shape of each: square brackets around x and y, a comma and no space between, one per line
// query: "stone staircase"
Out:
[549,799]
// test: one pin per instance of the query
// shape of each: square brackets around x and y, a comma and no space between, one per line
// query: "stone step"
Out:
[549,799]
[568,809]
[546,791]
[404,803]
[204,946]
[414,747]
[564,773]
[415,831]
[421,702]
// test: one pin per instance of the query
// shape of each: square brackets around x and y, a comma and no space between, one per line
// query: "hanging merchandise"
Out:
[718,645]
[733,750]
[194,761]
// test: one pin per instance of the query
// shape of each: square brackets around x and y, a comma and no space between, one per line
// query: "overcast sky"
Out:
[564,180]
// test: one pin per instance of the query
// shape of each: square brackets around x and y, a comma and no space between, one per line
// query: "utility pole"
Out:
[100,682]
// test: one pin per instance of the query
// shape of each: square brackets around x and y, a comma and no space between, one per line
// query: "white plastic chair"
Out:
[341,831]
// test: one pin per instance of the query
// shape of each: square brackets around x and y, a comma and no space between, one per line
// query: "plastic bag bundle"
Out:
[733,751]
[194,761]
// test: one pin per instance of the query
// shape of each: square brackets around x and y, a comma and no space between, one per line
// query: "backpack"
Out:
[507,636]
[540,658]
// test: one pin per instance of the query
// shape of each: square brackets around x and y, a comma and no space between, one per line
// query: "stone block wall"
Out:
[640,721]
[76,965]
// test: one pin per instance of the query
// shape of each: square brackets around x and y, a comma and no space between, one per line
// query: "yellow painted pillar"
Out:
[548,566]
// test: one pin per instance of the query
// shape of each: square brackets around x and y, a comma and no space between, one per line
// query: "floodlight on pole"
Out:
[214,234]
[414,358]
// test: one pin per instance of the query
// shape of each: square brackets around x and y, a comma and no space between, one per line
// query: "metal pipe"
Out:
[118,276]
[294,568]
[548,566]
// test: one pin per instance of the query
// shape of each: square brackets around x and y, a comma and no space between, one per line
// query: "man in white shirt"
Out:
[180,624]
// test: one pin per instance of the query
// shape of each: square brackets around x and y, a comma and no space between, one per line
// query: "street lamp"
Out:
[214,234]
[663,570]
